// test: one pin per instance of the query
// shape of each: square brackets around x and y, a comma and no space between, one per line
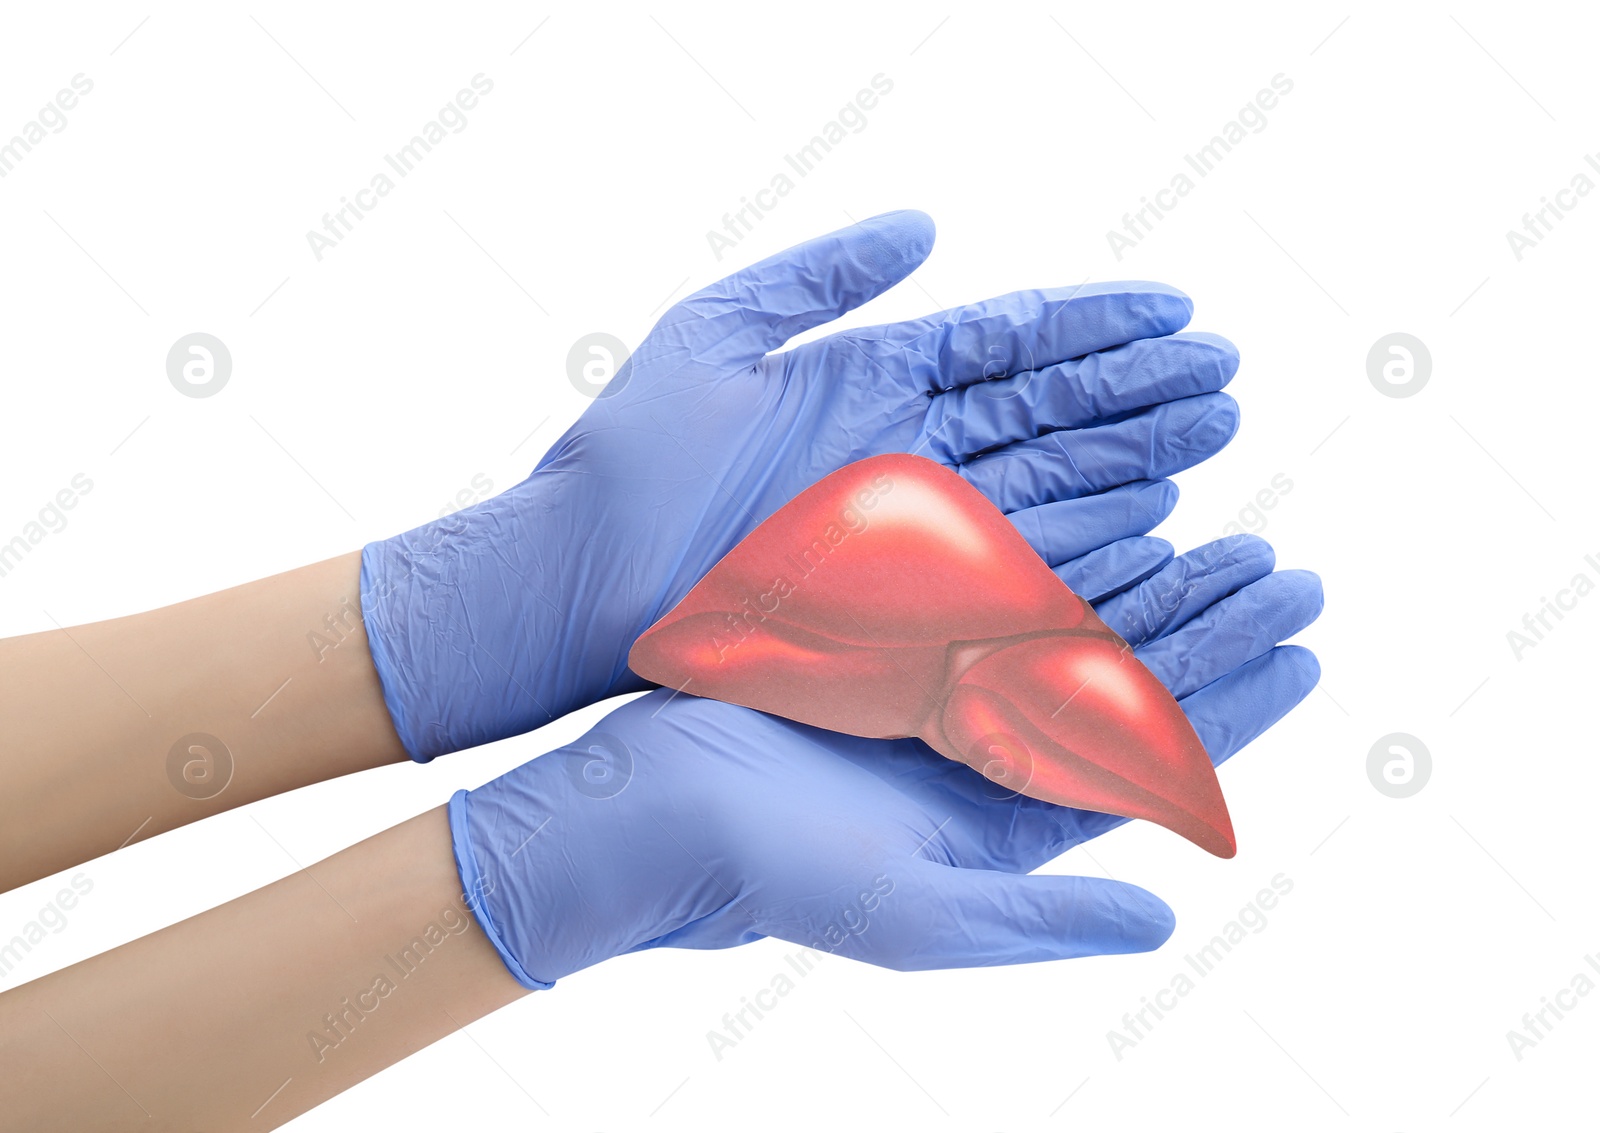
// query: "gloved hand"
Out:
[693,823]
[502,617]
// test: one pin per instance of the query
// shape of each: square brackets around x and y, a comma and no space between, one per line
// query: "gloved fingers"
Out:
[991,827]
[1097,387]
[978,824]
[1228,713]
[940,916]
[1069,463]
[737,321]
[1191,583]
[1122,564]
[1236,630]
[1026,330]
[1068,529]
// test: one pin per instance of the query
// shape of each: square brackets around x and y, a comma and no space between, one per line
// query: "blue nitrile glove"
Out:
[692,823]
[499,618]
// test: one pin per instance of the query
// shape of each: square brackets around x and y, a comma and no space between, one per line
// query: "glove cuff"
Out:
[454,620]
[475,888]
[373,616]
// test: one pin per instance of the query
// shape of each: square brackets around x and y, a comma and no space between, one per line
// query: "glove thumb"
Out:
[948,917]
[737,321]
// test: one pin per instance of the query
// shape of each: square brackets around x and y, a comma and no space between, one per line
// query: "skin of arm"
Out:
[151,1035]
[122,729]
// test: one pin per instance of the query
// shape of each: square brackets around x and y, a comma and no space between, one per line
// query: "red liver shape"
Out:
[892,599]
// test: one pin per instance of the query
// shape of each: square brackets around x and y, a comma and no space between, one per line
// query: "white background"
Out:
[415,356]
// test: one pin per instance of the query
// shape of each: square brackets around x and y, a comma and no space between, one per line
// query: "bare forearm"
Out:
[258,1010]
[121,729]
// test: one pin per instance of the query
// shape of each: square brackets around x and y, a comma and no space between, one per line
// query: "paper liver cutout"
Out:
[892,599]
